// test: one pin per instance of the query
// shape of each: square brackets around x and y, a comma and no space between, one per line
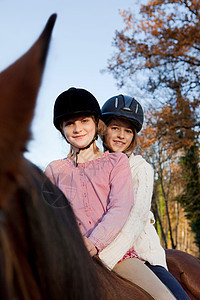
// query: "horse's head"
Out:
[42,254]
[19,85]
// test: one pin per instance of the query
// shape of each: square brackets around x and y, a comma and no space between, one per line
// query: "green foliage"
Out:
[190,199]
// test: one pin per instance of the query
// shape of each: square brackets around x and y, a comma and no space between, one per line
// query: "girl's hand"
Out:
[90,246]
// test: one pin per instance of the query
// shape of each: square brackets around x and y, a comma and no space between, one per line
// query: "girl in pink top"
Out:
[98,185]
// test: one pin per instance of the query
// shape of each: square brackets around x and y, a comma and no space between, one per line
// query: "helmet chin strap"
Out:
[86,147]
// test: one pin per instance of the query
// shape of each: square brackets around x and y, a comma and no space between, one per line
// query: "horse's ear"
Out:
[19,85]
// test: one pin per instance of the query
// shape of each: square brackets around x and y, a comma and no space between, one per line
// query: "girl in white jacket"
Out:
[123,116]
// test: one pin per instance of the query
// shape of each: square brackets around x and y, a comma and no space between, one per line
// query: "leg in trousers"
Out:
[136,271]
[170,281]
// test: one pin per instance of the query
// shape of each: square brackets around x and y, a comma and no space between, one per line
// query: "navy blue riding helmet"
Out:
[125,107]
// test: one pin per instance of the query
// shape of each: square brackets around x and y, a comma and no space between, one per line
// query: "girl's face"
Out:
[79,131]
[119,135]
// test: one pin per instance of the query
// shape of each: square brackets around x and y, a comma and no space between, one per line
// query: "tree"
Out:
[160,52]
[163,45]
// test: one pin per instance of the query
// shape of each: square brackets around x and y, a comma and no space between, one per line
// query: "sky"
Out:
[80,47]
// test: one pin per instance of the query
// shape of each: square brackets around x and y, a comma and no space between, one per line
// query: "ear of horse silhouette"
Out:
[19,85]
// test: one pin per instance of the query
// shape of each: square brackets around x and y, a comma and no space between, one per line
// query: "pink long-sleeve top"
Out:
[100,192]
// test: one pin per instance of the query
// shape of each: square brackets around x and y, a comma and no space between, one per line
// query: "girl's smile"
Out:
[119,135]
[79,131]
[118,142]
[79,136]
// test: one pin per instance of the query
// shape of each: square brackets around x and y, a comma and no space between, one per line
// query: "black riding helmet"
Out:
[75,101]
[125,107]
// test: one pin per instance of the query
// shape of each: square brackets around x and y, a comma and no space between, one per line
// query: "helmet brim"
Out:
[57,121]
[107,117]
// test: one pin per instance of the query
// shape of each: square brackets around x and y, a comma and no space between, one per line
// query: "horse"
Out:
[185,268]
[42,252]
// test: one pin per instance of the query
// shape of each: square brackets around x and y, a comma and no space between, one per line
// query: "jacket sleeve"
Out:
[142,180]
[119,205]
